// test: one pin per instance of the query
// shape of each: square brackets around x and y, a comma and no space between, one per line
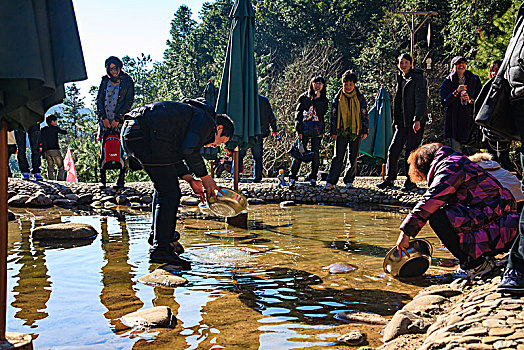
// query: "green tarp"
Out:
[238,94]
[39,51]
[380,131]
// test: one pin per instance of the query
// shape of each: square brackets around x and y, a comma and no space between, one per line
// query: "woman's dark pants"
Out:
[343,144]
[315,148]
[439,222]
[403,136]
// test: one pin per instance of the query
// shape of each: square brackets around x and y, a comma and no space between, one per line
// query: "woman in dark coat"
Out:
[309,124]
[458,93]
[474,216]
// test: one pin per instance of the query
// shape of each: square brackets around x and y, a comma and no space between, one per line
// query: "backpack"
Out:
[112,155]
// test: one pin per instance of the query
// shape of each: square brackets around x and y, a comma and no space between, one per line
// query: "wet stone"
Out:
[287,204]
[513,321]
[502,344]
[491,340]
[518,335]
[64,231]
[340,267]
[354,337]
[361,317]
[478,346]
[159,316]
[511,306]
[164,277]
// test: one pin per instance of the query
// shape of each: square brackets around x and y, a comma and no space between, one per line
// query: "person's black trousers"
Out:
[404,136]
[315,148]
[440,224]
[166,200]
[516,254]
[34,143]
[121,176]
[343,144]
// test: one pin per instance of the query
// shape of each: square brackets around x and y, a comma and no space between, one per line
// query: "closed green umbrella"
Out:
[238,94]
[39,51]
[380,132]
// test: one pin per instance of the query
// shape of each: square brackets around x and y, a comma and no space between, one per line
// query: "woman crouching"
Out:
[472,214]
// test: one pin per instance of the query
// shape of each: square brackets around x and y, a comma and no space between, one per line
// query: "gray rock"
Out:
[425,303]
[341,267]
[361,317]
[10,215]
[159,316]
[164,277]
[72,196]
[287,204]
[39,200]
[354,337]
[255,201]
[18,200]
[85,199]
[146,199]
[400,324]
[71,231]
[63,202]
[189,201]
[121,199]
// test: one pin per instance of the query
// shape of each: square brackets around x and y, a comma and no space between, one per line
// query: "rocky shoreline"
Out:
[139,195]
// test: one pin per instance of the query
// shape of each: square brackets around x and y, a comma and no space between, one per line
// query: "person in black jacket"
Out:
[267,119]
[51,148]
[309,124]
[409,116]
[115,98]
[349,125]
[166,138]
[457,94]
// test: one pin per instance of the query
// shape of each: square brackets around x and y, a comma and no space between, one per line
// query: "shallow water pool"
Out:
[271,294]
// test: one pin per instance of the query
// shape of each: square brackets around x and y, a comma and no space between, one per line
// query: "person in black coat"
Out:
[311,109]
[115,98]
[267,120]
[166,138]
[457,94]
[349,125]
[409,116]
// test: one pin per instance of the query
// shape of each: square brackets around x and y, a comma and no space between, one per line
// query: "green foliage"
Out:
[73,103]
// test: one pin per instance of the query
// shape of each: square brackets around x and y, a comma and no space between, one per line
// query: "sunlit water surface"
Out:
[275,294]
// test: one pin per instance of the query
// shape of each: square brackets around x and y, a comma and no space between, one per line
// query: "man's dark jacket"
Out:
[459,118]
[364,118]
[126,96]
[267,118]
[170,133]
[410,102]
[321,105]
[49,136]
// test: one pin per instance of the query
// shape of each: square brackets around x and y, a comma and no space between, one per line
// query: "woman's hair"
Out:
[114,60]
[406,56]
[349,75]
[420,161]
[311,89]
[497,63]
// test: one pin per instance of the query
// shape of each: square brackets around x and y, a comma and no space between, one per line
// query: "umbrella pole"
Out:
[383,171]
[3,229]
[235,169]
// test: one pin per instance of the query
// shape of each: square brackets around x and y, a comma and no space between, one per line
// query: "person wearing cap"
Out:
[115,98]
[458,93]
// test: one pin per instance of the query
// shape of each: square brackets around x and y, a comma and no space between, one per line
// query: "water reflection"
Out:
[33,290]
[118,294]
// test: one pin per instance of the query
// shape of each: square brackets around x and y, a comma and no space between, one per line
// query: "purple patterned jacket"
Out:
[481,211]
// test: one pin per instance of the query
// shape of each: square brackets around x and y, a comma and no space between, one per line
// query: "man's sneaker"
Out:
[157,256]
[25,176]
[329,186]
[38,177]
[349,185]
[480,271]
[312,182]
[512,282]
[385,184]
[292,183]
